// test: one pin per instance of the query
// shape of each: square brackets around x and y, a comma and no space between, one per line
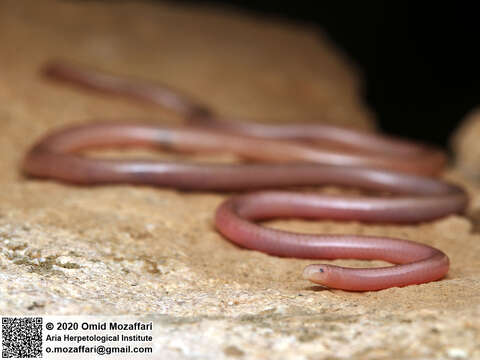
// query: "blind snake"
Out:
[284,155]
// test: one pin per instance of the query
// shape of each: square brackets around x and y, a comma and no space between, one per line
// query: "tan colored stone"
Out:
[466,145]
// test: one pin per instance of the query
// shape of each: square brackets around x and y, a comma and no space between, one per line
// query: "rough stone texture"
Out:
[140,250]
[467,147]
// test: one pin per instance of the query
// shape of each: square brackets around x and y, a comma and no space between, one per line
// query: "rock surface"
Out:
[466,146]
[141,250]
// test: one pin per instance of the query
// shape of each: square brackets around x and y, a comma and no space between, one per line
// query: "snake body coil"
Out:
[286,155]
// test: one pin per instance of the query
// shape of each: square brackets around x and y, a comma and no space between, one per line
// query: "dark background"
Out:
[419,58]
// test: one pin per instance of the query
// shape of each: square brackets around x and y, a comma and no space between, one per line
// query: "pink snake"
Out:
[292,155]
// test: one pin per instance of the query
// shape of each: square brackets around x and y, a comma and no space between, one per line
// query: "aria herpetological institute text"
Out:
[77,337]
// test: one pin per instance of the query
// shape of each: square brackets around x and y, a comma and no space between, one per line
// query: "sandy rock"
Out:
[466,146]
